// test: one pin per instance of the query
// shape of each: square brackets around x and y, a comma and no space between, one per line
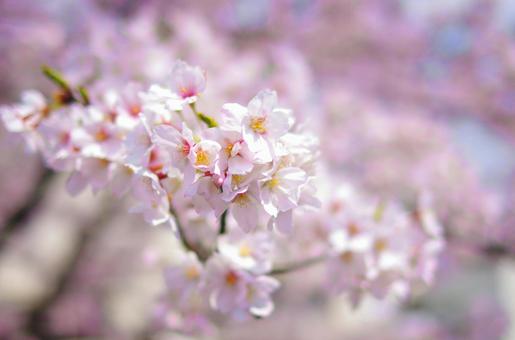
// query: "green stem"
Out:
[208,120]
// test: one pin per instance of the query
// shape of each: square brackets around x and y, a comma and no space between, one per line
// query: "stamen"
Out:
[245,251]
[231,278]
[273,183]
[101,135]
[258,125]
[192,273]
[202,158]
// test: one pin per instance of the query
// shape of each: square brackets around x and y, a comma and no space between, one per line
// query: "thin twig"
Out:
[298,265]
[202,253]
[182,235]
[19,218]
[223,223]
[493,250]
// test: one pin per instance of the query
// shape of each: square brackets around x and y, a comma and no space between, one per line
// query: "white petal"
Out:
[284,222]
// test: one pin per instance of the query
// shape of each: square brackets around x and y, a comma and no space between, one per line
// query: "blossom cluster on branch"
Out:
[231,185]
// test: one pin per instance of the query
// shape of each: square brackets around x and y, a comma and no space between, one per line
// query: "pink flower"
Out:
[261,124]
[204,156]
[258,296]
[234,291]
[26,116]
[183,279]
[138,143]
[106,139]
[246,209]
[63,138]
[151,199]
[348,267]
[236,156]
[252,252]
[226,284]
[160,104]
[96,172]
[178,143]
[188,81]
[280,193]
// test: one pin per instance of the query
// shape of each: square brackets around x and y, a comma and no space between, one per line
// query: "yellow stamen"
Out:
[237,179]
[192,273]
[241,200]
[202,158]
[258,125]
[273,183]
[380,245]
[228,149]
[245,251]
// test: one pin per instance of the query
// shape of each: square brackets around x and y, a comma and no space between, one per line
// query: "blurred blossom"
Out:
[297,161]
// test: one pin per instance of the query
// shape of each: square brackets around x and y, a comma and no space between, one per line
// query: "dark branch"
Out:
[223,223]
[36,321]
[203,254]
[298,265]
[20,217]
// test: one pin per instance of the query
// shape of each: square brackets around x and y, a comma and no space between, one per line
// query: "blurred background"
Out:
[405,95]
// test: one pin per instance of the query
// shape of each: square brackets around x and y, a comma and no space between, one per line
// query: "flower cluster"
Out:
[231,184]
[232,281]
[368,253]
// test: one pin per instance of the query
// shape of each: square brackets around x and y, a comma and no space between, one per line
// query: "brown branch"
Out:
[20,217]
[298,265]
[202,253]
[36,321]
[492,250]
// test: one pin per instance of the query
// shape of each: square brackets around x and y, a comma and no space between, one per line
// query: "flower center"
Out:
[346,256]
[134,110]
[258,125]
[187,92]
[192,273]
[237,179]
[353,229]
[101,135]
[241,200]
[231,278]
[380,245]
[202,158]
[273,183]
[228,149]
[185,149]
[245,251]
[103,163]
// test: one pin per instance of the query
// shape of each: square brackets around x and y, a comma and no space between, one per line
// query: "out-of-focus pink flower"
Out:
[188,81]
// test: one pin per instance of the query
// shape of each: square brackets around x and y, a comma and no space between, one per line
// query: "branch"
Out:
[36,321]
[21,216]
[298,265]
[202,253]
[497,250]
[493,250]
[223,223]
